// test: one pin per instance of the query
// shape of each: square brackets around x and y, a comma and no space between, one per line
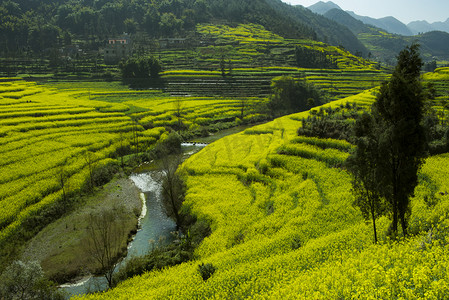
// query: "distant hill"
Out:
[327,30]
[385,46]
[436,43]
[390,24]
[420,26]
[423,26]
[323,7]
[344,18]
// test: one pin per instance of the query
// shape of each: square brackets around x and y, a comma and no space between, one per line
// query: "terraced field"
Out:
[283,225]
[242,60]
[53,136]
[154,108]
[48,140]
[440,81]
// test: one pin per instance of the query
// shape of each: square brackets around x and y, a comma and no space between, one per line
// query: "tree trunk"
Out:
[394,224]
[403,222]
[373,215]
[394,200]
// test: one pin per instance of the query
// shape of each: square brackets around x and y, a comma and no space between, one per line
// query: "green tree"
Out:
[140,71]
[398,111]
[169,24]
[26,281]
[363,165]
[130,25]
[292,95]
[151,21]
[398,149]
[140,68]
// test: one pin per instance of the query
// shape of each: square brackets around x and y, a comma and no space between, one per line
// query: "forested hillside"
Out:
[384,46]
[38,26]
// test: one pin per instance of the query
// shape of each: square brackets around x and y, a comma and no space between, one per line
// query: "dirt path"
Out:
[61,246]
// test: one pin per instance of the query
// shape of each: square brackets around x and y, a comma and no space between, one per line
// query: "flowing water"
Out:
[154,226]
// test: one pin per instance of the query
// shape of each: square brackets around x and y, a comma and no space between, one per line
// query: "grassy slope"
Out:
[284,227]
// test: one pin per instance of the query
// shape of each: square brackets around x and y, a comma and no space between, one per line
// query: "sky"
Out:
[403,10]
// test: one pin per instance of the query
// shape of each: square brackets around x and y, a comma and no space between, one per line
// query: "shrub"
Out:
[103,174]
[206,270]
[27,281]
[170,145]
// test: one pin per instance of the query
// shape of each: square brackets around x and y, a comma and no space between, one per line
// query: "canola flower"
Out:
[283,226]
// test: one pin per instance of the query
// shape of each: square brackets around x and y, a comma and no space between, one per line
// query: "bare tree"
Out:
[242,107]
[63,180]
[173,187]
[123,149]
[179,111]
[89,158]
[105,237]
[135,135]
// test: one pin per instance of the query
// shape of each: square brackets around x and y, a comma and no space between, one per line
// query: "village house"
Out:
[117,49]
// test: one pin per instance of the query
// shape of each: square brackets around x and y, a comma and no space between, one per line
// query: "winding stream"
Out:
[154,226]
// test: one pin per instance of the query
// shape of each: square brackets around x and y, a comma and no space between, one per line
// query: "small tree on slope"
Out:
[399,139]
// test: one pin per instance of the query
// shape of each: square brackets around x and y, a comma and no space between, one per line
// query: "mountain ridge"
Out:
[423,26]
[389,23]
[384,46]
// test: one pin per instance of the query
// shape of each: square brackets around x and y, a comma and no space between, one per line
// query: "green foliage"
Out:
[159,258]
[104,173]
[398,112]
[137,71]
[27,281]
[391,143]
[40,24]
[206,270]
[169,145]
[293,95]
[309,58]
[334,123]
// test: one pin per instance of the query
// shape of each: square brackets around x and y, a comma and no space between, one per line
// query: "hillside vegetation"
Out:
[243,59]
[384,45]
[36,26]
[59,141]
[279,205]
[283,224]
[54,146]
